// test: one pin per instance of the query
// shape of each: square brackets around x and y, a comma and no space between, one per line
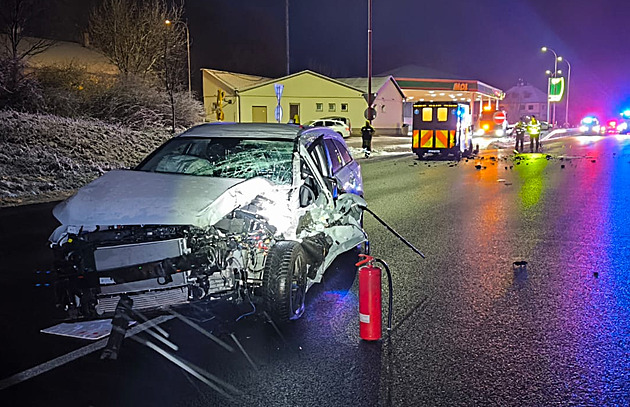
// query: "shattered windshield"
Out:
[224,158]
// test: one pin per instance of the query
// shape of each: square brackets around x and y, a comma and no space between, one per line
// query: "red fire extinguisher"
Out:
[369,299]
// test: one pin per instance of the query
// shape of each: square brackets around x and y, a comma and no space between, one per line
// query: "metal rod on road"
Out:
[412,247]
[69,357]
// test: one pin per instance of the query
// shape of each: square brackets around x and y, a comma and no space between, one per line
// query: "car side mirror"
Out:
[307,196]
[333,186]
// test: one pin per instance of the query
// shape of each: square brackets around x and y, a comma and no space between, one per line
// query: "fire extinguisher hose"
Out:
[412,247]
[391,293]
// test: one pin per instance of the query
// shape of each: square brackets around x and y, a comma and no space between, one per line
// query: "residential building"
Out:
[525,100]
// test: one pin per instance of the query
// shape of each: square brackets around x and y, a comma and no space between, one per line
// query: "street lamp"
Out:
[169,22]
[566,110]
[555,71]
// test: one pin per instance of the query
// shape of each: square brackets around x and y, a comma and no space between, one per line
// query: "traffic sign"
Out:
[278,113]
[499,117]
[370,113]
[556,89]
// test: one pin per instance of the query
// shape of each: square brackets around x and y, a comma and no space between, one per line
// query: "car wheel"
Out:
[284,281]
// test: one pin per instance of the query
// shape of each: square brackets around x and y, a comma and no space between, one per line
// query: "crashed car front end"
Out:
[166,239]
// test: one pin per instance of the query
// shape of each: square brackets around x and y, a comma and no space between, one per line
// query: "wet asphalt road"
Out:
[469,329]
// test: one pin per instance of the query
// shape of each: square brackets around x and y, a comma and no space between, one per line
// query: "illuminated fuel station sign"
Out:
[556,89]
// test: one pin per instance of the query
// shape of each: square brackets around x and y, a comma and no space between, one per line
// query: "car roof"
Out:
[264,131]
[244,130]
[340,118]
[328,119]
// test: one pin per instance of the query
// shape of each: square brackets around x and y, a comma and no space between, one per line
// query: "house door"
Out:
[294,110]
[259,114]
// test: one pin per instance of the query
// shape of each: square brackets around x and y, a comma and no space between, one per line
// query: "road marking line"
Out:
[76,354]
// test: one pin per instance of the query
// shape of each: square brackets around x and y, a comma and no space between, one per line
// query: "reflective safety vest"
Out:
[533,128]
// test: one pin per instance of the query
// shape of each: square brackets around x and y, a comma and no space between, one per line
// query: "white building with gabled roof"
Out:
[525,100]
[388,103]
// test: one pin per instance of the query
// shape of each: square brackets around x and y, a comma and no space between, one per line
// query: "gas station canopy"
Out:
[434,90]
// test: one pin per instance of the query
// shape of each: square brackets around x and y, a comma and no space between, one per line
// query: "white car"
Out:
[336,125]
[231,211]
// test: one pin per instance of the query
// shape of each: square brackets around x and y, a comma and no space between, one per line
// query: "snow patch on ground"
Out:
[46,157]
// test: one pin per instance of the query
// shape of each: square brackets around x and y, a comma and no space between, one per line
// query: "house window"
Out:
[521,107]
[530,107]
[344,107]
[319,107]
[332,107]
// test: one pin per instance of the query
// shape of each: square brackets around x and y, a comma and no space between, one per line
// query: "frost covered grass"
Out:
[47,157]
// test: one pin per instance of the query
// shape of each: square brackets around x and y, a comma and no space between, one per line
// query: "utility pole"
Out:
[286,19]
[369,60]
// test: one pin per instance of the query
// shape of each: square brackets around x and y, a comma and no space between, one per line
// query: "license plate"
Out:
[433,151]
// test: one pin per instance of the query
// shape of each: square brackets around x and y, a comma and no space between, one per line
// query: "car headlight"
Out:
[583,129]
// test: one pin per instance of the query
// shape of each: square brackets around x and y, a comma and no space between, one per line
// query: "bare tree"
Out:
[15,18]
[133,33]
[18,90]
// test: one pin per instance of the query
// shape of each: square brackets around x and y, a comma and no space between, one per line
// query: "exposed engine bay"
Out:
[169,265]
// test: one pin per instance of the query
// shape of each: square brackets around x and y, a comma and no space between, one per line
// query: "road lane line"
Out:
[76,354]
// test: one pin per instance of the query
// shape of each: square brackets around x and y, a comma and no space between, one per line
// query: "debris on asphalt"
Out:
[478,166]
[562,166]
[520,265]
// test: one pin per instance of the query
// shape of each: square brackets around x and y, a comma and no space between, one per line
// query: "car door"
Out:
[343,167]
[343,215]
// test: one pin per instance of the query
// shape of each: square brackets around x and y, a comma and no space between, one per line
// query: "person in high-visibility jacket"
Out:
[519,131]
[533,128]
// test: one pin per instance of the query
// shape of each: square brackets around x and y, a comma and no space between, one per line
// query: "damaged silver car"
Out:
[253,212]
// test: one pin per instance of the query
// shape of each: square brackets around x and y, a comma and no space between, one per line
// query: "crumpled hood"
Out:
[124,197]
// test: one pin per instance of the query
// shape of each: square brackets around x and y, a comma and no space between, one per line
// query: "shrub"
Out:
[68,89]
[18,91]
[139,103]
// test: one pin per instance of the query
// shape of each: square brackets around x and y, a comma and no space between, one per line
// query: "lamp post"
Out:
[169,22]
[555,71]
[566,110]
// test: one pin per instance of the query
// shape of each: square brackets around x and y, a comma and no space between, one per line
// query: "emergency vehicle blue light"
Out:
[626,113]
[588,120]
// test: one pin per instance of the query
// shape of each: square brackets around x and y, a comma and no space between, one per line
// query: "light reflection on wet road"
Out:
[469,328]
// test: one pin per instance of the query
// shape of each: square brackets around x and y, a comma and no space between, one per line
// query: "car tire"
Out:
[284,281]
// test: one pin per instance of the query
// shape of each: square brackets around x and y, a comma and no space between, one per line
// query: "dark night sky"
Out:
[495,41]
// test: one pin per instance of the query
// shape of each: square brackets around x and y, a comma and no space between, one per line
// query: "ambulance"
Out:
[443,129]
